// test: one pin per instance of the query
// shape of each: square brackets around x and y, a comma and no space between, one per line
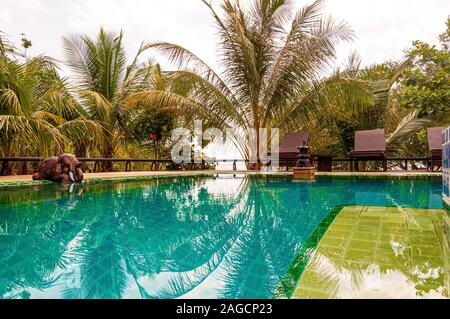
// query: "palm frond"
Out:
[185,59]
[9,97]
[409,123]
[6,47]
[99,107]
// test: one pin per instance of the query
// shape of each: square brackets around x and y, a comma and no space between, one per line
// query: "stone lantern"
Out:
[304,170]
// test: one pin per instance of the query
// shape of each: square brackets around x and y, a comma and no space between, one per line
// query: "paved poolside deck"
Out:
[28,178]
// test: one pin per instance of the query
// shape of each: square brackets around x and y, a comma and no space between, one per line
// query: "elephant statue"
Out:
[65,168]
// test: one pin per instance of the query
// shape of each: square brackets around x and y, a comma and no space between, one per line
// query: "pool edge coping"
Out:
[122,178]
[125,178]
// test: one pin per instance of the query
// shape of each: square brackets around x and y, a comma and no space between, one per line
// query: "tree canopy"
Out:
[426,84]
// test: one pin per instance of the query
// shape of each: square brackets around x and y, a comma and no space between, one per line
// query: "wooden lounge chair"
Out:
[435,146]
[288,151]
[369,146]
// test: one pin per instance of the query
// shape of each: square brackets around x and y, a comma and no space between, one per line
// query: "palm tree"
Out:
[150,126]
[336,123]
[273,58]
[103,81]
[34,107]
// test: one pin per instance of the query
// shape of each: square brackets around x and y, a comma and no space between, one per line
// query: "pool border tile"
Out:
[163,174]
[289,282]
[157,174]
[4,185]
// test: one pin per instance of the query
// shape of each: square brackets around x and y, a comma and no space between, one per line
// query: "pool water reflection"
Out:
[203,237]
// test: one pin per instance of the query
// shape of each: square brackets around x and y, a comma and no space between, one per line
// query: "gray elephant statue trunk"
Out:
[65,168]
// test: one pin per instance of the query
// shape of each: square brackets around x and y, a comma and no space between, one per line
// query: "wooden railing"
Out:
[97,161]
[4,161]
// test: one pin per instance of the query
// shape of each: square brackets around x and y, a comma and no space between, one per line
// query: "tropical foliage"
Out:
[276,70]
[272,56]
[378,110]
[274,59]
[37,112]
[104,80]
[426,85]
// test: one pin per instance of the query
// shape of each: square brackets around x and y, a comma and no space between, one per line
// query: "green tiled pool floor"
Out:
[380,252]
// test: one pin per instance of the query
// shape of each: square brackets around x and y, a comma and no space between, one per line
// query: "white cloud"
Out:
[385,28]
[6,17]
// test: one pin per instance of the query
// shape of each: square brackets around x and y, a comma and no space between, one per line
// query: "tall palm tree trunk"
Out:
[81,151]
[6,166]
[108,152]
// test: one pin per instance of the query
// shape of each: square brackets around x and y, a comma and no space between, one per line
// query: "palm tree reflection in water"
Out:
[164,238]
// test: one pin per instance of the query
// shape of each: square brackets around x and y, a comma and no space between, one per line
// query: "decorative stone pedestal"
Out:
[304,173]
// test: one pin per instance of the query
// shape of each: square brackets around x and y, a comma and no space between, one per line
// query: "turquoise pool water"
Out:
[204,237]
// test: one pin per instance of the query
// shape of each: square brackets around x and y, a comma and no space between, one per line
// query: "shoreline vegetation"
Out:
[116,104]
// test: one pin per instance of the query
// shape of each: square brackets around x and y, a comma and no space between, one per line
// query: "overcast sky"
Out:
[384,27]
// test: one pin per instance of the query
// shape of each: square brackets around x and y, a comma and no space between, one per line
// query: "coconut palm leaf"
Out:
[408,124]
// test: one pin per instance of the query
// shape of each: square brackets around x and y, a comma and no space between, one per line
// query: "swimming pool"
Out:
[218,236]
